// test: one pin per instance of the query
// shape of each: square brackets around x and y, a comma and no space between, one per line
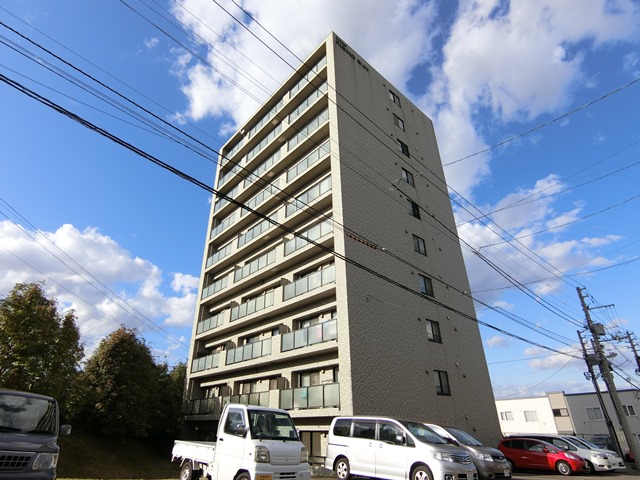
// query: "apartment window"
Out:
[530,416]
[308,379]
[407,176]
[594,413]
[398,122]
[394,97]
[629,411]
[506,416]
[403,148]
[560,412]
[442,382]
[414,209]
[419,245]
[433,331]
[426,286]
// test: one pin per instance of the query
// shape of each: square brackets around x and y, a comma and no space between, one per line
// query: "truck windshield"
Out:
[464,437]
[268,425]
[23,414]
[422,432]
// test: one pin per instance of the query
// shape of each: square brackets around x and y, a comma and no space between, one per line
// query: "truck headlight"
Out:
[45,461]
[304,455]
[485,457]
[443,456]
[262,455]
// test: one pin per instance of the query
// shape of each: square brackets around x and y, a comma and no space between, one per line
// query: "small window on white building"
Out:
[629,411]
[594,413]
[506,416]
[530,416]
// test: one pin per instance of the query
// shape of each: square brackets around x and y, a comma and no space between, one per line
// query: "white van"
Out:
[393,449]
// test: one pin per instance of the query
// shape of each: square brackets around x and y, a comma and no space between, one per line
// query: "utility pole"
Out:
[591,360]
[635,353]
[608,379]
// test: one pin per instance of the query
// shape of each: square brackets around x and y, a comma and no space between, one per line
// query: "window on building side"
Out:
[426,286]
[530,416]
[433,331]
[403,147]
[560,412]
[442,382]
[407,176]
[394,98]
[629,411]
[414,209]
[398,122]
[594,413]
[419,245]
[506,416]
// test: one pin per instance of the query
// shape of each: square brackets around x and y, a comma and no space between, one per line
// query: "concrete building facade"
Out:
[333,282]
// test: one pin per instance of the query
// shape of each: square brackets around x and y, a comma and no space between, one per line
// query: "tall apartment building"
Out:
[340,289]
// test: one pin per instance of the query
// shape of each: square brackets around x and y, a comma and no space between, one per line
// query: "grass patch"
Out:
[87,457]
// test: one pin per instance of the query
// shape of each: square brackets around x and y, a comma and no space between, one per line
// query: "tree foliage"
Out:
[133,395]
[40,348]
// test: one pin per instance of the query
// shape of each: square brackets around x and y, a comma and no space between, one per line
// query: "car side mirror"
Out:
[545,449]
[400,440]
[241,430]
[65,430]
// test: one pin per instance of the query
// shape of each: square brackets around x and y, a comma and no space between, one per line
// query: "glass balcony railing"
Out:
[261,399]
[305,198]
[314,233]
[215,287]
[323,332]
[308,161]
[253,305]
[228,221]
[205,363]
[249,351]
[210,323]
[316,396]
[203,406]
[310,282]
[219,254]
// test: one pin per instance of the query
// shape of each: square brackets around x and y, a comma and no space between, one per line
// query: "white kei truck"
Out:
[253,443]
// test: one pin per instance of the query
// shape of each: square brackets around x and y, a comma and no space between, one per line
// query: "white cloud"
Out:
[498,341]
[90,273]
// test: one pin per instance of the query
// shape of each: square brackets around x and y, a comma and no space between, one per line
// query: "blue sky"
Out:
[121,240]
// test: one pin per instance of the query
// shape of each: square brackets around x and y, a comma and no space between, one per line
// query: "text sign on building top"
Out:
[345,48]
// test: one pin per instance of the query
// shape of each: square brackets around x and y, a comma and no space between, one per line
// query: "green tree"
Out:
[40,348]
[125,381]
[165,424]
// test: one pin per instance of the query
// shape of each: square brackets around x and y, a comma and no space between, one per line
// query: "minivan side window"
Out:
[342,427]
[390,433]
[364,429]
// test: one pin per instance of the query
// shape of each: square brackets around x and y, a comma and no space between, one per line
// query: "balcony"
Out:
[304,337]
[205,363]
[210,323]
[253,305]
[310,282]
[249,351]
[316,396]
[214,406]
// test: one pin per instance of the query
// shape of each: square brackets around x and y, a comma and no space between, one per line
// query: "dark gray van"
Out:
[490,462]
[29,429]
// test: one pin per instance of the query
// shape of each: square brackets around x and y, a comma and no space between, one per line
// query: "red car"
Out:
[528,453]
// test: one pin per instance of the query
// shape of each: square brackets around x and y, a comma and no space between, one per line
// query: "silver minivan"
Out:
[490,462]
[393,449]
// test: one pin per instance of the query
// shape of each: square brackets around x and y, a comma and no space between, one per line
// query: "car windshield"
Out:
[583,443]
[268,425]
[23,414]
[463,437]
[422,432]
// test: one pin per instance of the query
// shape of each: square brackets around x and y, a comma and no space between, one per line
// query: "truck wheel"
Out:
[186,471]
[342,469]
[421,472]
[243,476]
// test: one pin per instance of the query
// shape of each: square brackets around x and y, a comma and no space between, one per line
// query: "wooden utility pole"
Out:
[605,371]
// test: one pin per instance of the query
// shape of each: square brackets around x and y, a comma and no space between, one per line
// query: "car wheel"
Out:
[342,469]
[421,472]
[243,476]
[186,471]
[591,469]
[563,468]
